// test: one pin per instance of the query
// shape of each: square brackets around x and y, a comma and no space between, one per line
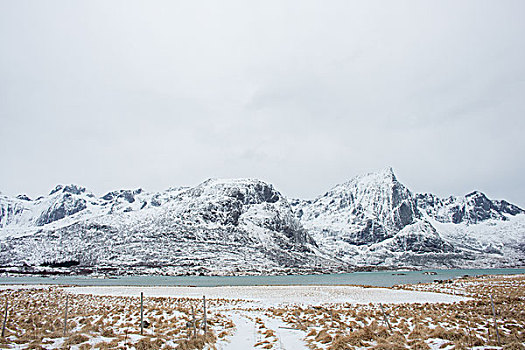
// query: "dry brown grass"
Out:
[323,337]
[514,346]
[36,320]
[76,339]
[463,324]
[197,342]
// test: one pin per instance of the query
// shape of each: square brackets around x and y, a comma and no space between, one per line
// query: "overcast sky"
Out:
[302,94]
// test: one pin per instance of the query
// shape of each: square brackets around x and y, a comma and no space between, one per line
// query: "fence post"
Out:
[204,318]
[193,322]
[495,323]
[141,313]
[384,316]
[5,318]
[65,315]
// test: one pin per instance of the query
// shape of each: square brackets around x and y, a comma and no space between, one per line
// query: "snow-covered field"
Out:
[449,315]
[280,295]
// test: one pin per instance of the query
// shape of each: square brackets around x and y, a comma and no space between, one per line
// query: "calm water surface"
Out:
[377,278]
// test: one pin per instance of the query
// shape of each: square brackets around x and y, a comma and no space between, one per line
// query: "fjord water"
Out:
[376,278]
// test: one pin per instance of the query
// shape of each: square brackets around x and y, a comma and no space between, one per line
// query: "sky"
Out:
[302,94]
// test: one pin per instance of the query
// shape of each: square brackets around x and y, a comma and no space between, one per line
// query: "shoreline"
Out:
[113,272]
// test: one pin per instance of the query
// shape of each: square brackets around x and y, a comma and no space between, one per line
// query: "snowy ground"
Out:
[280,295]
[256,329]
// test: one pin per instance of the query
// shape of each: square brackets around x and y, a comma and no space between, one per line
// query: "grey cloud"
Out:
[301,94]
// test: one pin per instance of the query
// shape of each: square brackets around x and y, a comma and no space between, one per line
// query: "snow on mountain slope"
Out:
[367,209]
[493,242]
[375,220]
[246,226]
[63,206]
[473,208]
[219,225]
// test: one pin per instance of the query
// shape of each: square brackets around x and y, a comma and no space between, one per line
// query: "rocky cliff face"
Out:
[247,226]
[10,210]
[366,210]
[64,205]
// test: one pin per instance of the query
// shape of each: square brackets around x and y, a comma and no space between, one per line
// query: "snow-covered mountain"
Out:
[219,226]
[375,220]
[246,226]
[367,209]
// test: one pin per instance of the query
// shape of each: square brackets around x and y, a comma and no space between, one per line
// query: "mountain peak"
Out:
[236,181]
[384,176]
[368,208]
[387,173]
[250,190]
[475,194]
[74,189]
[23,197]
[387,170]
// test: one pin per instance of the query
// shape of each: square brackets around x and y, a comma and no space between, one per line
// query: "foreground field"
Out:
[453,315]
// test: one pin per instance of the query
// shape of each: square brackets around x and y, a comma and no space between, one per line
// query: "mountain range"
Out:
[246,226]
